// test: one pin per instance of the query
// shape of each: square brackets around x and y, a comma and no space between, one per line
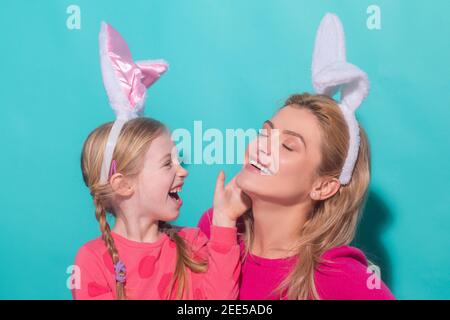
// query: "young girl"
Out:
[308,189]
[132,172]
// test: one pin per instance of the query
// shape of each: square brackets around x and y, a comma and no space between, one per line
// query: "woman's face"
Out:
[280,164]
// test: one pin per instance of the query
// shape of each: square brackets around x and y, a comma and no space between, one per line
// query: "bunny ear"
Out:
[151,70]
[330,43]
[330,70]
[125,82]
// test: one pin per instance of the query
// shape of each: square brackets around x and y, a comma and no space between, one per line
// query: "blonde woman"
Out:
[307,190]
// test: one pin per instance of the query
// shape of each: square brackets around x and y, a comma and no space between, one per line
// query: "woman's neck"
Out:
[277,228]
[136,228]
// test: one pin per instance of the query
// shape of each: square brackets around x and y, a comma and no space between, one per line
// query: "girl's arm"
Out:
[90,281]
[224,267]
[221,251]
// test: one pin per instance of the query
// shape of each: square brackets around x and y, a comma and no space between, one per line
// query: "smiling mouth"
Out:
[260,167]
[173,193]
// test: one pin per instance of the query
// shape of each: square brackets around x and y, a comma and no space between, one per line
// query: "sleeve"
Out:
[347,278]
[221,251]
[88,279]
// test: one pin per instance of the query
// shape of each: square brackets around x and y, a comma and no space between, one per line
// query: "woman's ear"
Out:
[325,188]
[121,185]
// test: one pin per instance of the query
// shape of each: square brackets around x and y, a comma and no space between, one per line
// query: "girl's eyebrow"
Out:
[290,132]
[164,158]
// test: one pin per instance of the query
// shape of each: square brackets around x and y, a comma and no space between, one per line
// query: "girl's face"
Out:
[160,180]
[280,164]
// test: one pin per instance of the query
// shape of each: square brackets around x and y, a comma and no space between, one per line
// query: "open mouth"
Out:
[173,194]
[260,167]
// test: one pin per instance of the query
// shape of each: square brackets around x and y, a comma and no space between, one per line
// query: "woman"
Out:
[306,191]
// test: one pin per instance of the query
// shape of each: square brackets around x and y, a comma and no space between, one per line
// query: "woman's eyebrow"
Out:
[290,132]
[293,133]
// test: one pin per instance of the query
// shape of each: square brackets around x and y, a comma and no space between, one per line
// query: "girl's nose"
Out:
[182,172]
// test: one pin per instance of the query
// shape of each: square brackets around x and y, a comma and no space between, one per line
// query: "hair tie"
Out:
[121,271]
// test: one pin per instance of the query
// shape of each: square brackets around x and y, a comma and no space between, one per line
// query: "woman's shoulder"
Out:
[205,222]
[344,273]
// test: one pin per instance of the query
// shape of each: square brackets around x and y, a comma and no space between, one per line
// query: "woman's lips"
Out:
[253,169]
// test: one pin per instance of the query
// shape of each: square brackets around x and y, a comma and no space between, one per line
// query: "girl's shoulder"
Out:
[194,237]
[92,248]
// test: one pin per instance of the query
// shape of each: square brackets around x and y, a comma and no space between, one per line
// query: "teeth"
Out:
[254,163]
[263,169]
[175,190]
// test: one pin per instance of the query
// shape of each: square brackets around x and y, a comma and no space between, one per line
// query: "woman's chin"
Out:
[248,184]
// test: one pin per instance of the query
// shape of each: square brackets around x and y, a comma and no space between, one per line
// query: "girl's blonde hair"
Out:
[333,221]
[134,140]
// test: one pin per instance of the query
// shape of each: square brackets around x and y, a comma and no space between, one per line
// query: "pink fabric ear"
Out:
[125,81]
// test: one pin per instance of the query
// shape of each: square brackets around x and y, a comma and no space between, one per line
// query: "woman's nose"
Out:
[264,144]
[259,149]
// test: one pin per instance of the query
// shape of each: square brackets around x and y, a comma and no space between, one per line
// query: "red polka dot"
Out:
[163,285]
[198,294]
[147,267]
[95,289]
[220,248]
[107,260]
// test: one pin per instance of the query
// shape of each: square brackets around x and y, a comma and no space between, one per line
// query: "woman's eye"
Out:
[288,148]
[169,164]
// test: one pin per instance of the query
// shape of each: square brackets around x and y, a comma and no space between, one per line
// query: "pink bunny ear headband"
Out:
[126,83]
[331,73]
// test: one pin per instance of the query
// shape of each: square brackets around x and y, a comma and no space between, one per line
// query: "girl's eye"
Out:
[168,164]
[288,148]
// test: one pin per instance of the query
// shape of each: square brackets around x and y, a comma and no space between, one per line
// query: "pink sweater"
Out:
[150,266]
[343,277]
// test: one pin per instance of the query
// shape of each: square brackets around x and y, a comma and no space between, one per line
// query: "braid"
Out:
[184,260]
[100,214]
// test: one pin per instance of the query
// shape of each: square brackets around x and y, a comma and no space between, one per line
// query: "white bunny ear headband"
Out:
[126,83]
[331,73]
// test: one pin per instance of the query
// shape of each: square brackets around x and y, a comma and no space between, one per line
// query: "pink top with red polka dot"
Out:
[150,266]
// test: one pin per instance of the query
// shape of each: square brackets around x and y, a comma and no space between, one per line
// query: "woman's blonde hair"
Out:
[333,221]
[134,140]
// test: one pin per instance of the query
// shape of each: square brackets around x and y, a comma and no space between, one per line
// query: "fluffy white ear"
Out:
[331,71]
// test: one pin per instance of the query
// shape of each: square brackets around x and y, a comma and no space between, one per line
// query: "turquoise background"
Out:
[232,63]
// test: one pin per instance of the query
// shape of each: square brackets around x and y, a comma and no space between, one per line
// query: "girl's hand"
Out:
[230,202]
